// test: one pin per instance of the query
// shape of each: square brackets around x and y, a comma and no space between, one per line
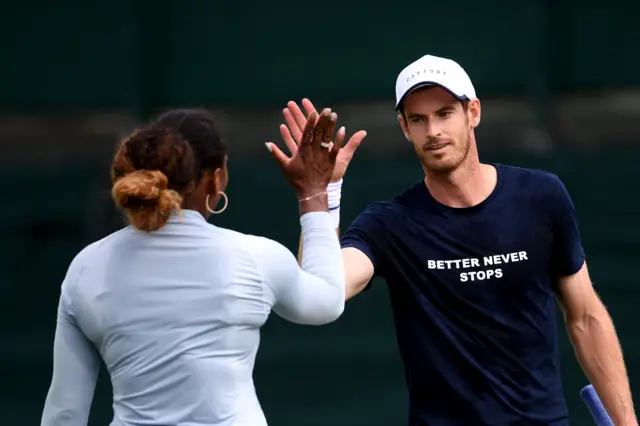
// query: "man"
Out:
[475,257]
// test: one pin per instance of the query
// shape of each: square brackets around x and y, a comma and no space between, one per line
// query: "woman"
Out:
[172,304]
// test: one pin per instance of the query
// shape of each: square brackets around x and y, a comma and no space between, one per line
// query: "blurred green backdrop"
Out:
[558,81]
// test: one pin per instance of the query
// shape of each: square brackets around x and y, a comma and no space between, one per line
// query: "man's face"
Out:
[439,127]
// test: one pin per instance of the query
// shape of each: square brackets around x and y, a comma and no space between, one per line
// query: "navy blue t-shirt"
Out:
[473,292]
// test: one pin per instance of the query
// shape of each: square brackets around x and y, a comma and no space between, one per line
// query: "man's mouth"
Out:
[436,147]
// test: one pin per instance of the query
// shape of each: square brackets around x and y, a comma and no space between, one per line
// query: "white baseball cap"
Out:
[434,71]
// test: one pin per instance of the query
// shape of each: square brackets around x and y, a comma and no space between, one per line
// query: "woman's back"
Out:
[175,315]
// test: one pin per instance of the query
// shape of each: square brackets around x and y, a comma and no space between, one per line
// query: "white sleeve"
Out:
[75,371]
[313,294]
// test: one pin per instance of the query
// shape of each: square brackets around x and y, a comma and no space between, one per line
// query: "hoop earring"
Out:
[224,207]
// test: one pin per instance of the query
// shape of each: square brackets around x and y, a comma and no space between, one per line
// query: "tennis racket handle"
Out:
[590,397]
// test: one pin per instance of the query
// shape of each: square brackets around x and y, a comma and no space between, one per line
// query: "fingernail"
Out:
[334,116]
[342,129]
[268,145]
[326,111]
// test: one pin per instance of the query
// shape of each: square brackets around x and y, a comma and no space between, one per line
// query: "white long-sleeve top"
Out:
[175,316]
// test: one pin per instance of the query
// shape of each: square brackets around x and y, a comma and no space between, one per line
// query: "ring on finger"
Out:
[325,145]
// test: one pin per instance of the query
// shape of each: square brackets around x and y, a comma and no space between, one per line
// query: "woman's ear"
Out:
[220,178]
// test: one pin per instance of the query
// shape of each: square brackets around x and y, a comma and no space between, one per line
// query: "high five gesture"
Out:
[293,130]
[312,165]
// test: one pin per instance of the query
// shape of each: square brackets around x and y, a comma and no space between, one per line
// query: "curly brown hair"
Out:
[157,166]
[143,167]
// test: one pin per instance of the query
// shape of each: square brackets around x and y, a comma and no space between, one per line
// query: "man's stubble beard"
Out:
[445,167]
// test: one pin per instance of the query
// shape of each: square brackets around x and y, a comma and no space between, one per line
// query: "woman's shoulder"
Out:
[249,242]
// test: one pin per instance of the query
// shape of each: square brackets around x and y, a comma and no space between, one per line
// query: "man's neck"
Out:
[468,185]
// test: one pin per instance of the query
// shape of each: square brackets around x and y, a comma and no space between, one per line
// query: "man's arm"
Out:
[596,344]
[358,269]
[590,328]
[363,250]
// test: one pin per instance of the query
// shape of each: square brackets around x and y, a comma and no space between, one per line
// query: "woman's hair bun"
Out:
[145,198]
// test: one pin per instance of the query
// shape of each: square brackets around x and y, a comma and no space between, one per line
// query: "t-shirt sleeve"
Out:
[568,253]
[368,234]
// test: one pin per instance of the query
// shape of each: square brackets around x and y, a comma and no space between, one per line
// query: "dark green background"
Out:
[72,55]
[118,53]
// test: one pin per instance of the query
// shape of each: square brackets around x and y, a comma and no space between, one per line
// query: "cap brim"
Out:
[422,84]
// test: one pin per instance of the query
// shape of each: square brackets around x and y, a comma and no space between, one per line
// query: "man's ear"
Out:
[474,111]
[403,125]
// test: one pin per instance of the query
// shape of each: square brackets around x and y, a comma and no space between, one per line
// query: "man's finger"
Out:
[355,141]
[280,157]
[292,145]
[297,114]
[294,128]
[308,106]
[337,145]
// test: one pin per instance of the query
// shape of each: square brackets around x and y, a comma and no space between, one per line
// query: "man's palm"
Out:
[292,132]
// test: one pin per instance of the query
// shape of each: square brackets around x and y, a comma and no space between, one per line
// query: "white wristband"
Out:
[334,192]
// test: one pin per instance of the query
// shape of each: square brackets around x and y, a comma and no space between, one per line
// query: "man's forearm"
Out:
[599,353]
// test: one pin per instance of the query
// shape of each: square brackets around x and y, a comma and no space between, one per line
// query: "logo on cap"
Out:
[426,71]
